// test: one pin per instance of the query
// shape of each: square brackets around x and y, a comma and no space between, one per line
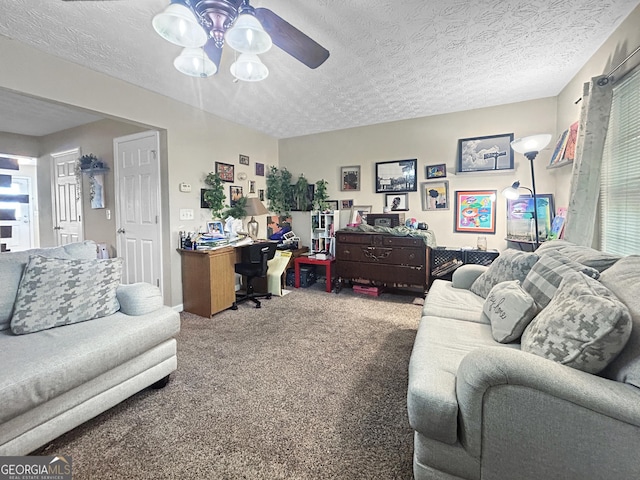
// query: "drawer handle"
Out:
[347,252]
[372,253]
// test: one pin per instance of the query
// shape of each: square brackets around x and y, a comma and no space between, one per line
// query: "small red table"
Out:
[314,261]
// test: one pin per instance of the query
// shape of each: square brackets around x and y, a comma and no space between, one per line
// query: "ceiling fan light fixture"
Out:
[248,36]
[178,25]
[249,68]
[195,63]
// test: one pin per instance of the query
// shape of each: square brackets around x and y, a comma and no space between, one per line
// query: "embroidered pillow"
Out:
[510,265]
[584,326]
[55,292]
[509,309]
[544,278]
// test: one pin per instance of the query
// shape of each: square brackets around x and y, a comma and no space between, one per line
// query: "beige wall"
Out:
[22,145]
[624,40]
[193,141]
[432,140]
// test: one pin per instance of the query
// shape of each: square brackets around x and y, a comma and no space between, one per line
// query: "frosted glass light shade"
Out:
[195,63]
[533,143]
[511,193]
[247,35]
[178,25]
[249,68]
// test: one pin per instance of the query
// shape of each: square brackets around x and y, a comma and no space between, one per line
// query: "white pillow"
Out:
[509,309]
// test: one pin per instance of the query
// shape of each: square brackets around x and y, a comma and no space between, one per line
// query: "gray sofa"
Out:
[481,409]
[56,376]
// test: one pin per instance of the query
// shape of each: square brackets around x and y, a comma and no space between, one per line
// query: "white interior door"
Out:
[67,198]
[137,178]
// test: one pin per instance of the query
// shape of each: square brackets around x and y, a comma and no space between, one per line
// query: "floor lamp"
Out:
[529,147]
[254,207]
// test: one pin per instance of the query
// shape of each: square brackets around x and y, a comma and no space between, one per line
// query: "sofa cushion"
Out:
[12,266]
[444,300]
[509,309]
[545,276]
[581,254]
[623,279]
[584,326]
[55,292]
[139,298]
[510,265]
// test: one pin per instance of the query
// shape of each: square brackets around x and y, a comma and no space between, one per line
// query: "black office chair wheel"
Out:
[234,306]
[258,305]
[268,297]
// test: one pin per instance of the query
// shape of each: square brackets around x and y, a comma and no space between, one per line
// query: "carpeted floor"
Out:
[311,386]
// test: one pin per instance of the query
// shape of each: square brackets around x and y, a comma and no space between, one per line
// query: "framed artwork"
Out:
[225,171]
[359,214]
[235,193]
[278,224]
[396,176]
[436,171]
[332,205]
[244,159]
[520,221]
[397,202]
[203,202]
[259,169]
[350,178]
[261,195]
[475,211]
[346,204]
[215,227]
[485,154]
[435,195]
[252,186]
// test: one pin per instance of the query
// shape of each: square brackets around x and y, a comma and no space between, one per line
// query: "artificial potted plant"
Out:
[279,190]
[214,195]
[320,196]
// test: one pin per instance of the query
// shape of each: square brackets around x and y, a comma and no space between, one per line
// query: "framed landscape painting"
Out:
[475,211]
[485,154]
[396,176]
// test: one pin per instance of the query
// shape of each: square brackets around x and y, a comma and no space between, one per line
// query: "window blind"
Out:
[620,182]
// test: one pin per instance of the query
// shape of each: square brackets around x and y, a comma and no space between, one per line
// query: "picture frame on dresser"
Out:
[490,153]
[475,211]
[396,176]
[359,214]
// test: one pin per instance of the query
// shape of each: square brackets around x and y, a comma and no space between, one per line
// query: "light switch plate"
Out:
[186,214]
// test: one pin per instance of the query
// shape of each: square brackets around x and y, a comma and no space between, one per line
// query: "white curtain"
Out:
[585,179]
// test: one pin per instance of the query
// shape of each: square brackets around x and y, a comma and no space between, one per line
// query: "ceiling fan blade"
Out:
[292,40]
[213,52]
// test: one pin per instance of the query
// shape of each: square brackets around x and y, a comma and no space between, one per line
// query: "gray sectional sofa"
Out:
[560,399]
[67,357]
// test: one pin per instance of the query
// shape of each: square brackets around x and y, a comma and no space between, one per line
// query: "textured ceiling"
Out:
[390,59]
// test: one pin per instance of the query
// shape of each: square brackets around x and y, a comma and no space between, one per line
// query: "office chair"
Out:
[254,265]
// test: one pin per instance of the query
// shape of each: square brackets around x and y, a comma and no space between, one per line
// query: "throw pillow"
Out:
[509,309]
[510,265]
[544,278]
[584,326]
[139,298]
[55,292]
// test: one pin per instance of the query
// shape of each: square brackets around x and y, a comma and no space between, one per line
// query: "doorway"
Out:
[16,221]
[67,199]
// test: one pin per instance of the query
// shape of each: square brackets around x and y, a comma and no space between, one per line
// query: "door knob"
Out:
[120,230]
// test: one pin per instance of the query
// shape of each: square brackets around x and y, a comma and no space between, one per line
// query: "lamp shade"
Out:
[177,24]
[532,143]
[247,35]
[255,207]
[195,62]
[512,192]
[249,68]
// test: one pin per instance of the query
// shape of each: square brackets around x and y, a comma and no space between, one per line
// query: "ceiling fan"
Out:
[209,24]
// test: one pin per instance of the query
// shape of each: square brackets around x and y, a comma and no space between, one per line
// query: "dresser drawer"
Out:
[389,274]
[403,242]
[381,255]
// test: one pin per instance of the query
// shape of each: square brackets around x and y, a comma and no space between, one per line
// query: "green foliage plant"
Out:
[214,194]
[320,196]
[301,193]
[239,210]
[279,190]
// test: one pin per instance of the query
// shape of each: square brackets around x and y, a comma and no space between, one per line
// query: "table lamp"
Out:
[254,207]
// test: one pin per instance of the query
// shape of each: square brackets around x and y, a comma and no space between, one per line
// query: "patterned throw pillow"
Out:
[55,292]
[584,326]
[509,309]
[544,278]
[510,265]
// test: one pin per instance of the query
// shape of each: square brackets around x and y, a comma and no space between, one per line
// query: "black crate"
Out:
[480,257]
[291,278]
[441,256]
[307,276]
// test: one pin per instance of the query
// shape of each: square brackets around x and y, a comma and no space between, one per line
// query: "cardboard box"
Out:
[368,290]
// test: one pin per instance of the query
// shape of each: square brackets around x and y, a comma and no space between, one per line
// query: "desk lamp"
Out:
[529,147]
[254,207]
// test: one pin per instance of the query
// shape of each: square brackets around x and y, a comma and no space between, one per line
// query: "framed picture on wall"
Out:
[225,171]
[235,194]
[475,211]
[243,159]
[485,154]
[359,214]
[435,195]
[397,202]
[350,179]
[332,205]
[396,176]
[346,204]
[436,171]
[260,169]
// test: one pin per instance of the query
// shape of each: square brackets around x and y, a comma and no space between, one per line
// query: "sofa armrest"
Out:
[465,275]
[491,368]
[139,298]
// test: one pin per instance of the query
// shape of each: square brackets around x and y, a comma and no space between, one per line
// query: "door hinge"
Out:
[158,282]
[157,219]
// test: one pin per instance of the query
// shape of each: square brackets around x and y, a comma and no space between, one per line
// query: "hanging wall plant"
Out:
[214,194]
[301,198]
[279,190]
[320,196]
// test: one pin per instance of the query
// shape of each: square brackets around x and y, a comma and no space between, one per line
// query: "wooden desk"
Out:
[208,280]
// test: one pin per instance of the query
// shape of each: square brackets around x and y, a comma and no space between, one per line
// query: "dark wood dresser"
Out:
[381,258]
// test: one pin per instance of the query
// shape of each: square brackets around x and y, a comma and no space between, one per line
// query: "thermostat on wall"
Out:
[185,187]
